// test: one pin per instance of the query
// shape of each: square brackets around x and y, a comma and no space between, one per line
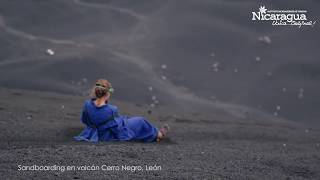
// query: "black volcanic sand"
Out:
[37,129]
[214,135]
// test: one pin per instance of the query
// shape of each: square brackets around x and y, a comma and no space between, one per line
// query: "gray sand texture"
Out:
[241,96]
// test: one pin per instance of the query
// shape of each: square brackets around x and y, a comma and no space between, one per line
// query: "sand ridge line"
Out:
[139,17]
[118,9]
[32,37]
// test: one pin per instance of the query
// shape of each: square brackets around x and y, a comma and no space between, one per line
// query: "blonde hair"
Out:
[101,88]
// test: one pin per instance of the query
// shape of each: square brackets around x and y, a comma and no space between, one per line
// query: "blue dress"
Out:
[105,124]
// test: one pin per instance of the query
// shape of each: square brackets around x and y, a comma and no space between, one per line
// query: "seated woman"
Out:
[105,124]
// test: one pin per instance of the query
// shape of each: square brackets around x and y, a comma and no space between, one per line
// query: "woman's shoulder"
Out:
[87,102]
[113,107]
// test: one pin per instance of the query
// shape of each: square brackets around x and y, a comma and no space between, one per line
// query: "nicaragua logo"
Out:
[283,17]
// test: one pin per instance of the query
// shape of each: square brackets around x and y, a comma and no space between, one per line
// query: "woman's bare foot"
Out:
[163,132]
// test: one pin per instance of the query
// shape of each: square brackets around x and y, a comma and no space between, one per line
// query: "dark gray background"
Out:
[128,41]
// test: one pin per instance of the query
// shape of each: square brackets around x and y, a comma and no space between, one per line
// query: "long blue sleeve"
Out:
[85,117]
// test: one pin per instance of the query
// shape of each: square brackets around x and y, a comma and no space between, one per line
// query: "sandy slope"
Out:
[128,42]
[37,128]
[222,120]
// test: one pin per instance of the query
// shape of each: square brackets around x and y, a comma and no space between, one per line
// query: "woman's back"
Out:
[97,115]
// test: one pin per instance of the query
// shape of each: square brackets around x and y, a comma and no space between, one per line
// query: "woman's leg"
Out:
[142,129]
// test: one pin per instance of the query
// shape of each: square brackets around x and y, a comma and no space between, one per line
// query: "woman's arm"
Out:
[114,111]
[85,116]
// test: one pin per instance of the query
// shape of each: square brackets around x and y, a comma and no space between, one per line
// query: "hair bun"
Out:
[101,88]
[100,91]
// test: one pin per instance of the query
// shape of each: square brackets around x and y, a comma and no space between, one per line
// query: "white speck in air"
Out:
[154,98]
[50,52]
[216,66]
[164,66]
[265,39]
[301,93]
[284,145]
